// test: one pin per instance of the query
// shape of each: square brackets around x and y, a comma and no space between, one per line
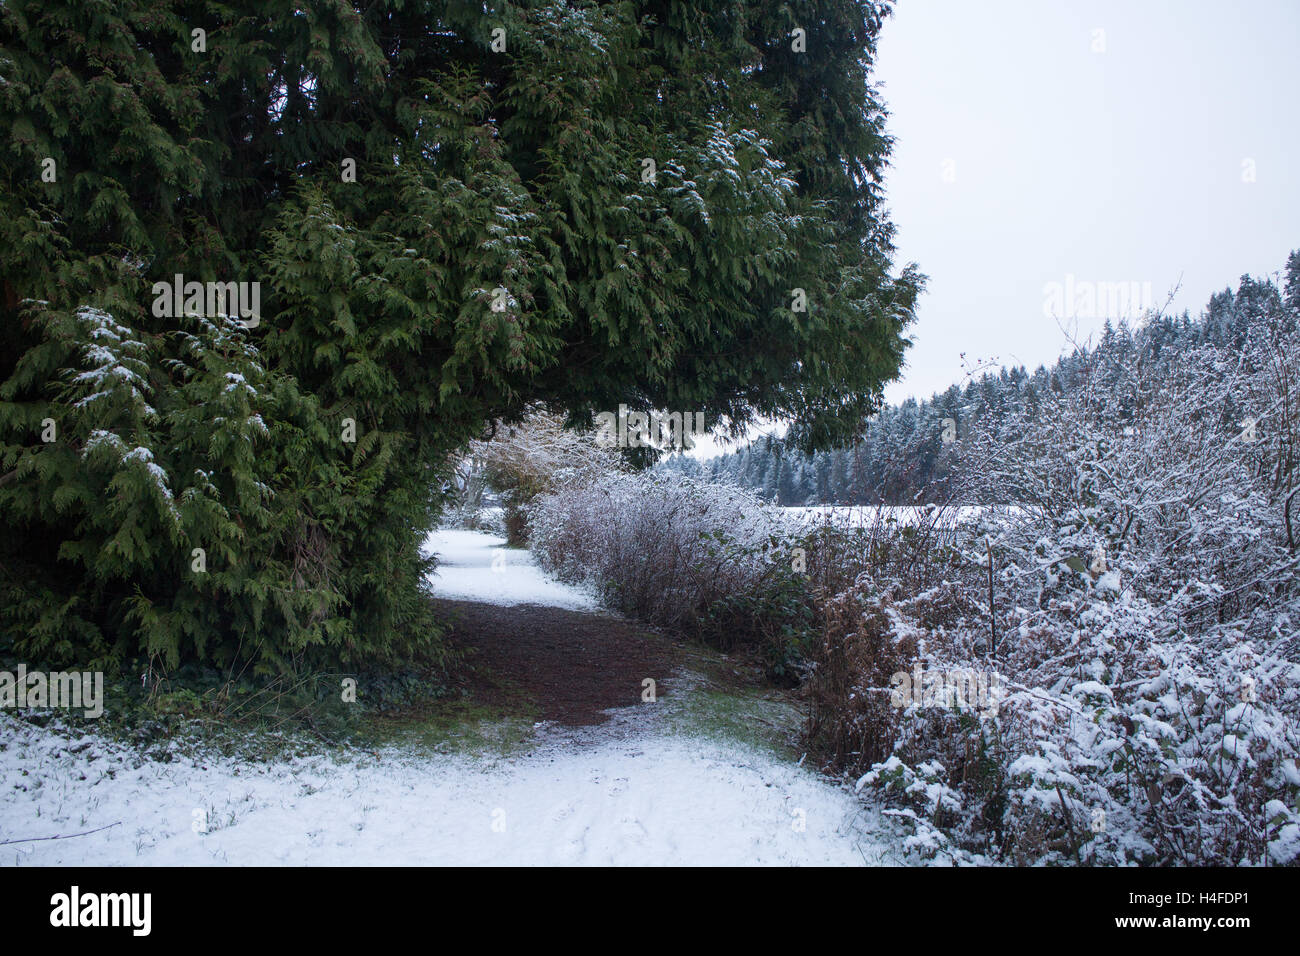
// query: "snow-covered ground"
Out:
[474,566]
[627,800]
[634,791]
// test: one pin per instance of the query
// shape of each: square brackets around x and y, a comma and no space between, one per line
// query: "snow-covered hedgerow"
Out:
[1139,614]
[659,546]
[1117,746]
[717,562]
[1118,642]
[709,560]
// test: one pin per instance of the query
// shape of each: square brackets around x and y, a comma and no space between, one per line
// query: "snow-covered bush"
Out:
[1110,741]
[522,461]
[658,545]
[708,560]
[719,563]
[1140,607]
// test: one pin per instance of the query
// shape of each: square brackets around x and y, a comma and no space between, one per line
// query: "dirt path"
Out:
[562,665]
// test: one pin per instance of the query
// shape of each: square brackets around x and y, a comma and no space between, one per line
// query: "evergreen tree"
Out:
[1291,282]
[451,211]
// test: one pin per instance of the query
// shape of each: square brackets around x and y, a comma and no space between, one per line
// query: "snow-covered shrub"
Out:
[719,563]
[709,560]
[659,546]
[1119,747]
[926,797]
[522,461]
[1140,604]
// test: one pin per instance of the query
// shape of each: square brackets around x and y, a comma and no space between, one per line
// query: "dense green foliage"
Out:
[498,245]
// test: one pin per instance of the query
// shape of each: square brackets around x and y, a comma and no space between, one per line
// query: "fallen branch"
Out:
[67,836]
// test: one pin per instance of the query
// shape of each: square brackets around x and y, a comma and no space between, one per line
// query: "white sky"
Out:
[1119,166]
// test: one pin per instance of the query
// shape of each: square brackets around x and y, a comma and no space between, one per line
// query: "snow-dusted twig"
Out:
[60,836]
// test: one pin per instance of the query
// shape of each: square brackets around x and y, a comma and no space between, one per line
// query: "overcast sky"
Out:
[1030,147]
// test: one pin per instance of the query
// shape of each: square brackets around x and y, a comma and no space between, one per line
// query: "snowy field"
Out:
[628,792]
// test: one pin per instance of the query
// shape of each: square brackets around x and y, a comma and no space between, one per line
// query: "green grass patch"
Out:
[457,726]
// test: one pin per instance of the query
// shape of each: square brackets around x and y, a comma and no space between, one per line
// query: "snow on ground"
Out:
[626,800]
[474,566]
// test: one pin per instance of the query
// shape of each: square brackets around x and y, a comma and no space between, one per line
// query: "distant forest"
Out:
[913,452]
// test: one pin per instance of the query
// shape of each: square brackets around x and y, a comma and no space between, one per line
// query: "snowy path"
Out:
[632,791]
[475,566]
[638,801]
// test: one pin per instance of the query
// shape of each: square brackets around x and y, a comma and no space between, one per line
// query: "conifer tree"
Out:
[451,211]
